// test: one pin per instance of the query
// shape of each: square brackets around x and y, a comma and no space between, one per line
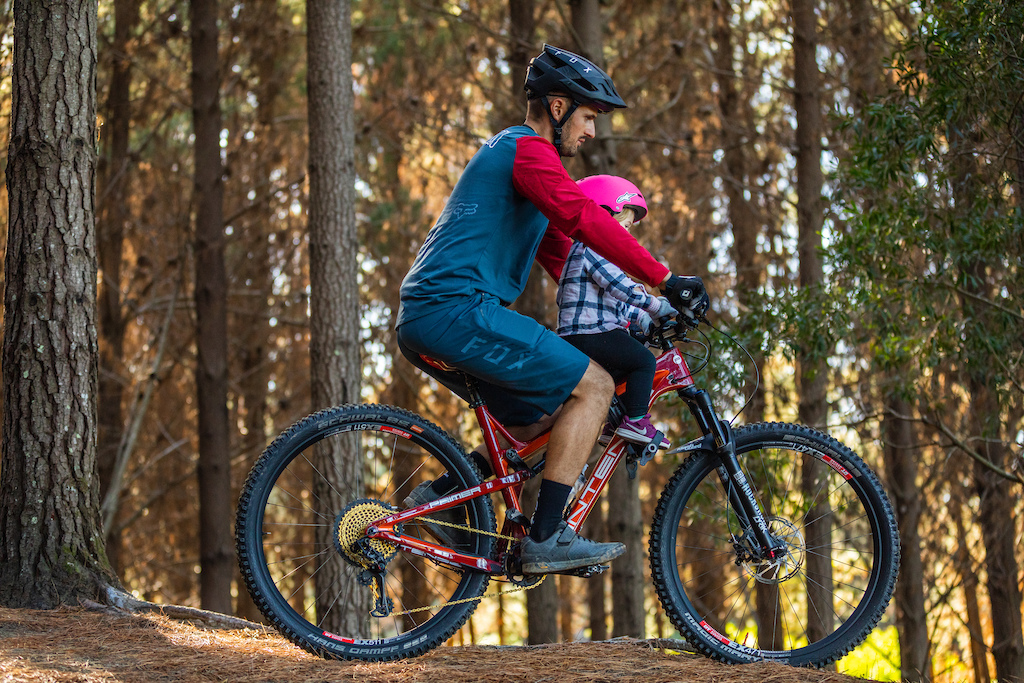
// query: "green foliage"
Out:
[931,261]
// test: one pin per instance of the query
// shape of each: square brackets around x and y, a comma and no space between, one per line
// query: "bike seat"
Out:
[439,364]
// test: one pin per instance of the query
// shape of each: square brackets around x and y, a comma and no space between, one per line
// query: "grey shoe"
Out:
[453,538]
[565,549]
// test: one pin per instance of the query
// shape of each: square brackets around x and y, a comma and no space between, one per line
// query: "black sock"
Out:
[445,483]
[550,503]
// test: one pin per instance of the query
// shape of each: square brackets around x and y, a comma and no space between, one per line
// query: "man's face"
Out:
[577,129]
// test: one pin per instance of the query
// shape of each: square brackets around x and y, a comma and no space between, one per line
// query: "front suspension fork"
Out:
[741,493]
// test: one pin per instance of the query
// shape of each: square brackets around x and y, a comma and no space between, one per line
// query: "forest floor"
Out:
[84,645]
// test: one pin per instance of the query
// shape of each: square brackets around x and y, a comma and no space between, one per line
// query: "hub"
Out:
[788,559]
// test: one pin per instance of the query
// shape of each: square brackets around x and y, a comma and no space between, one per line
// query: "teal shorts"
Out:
[525,370]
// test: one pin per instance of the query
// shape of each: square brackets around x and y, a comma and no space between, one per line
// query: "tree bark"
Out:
[51,551]
[625,524]
[261,26]
[595,529]
[598,155]
[624,521]
[812,369]
[737,181]
[521,49]
[333,246]
[996,517]
[901,472]
[996,503]
[969,583]
[113,216]
[216,556]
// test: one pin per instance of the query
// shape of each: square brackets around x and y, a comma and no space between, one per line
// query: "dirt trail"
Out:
[83,645]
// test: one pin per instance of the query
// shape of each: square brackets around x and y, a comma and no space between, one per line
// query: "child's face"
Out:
[624,217]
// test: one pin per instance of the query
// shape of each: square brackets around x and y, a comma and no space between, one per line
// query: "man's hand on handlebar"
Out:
[687,294]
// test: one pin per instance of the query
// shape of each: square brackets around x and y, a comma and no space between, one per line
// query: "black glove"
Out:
[687,293]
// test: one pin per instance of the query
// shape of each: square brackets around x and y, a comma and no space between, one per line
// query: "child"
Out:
[597,302]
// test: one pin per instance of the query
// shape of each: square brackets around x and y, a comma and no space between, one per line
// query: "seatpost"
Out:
[475,399]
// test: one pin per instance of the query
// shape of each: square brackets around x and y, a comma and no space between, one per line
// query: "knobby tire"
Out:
[288,518]
[833,587]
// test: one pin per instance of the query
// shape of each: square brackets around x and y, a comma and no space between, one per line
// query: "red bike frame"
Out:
[671,374]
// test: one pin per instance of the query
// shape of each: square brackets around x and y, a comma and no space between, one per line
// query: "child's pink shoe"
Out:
[640,430]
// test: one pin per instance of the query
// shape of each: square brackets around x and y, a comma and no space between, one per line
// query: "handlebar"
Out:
[664,333]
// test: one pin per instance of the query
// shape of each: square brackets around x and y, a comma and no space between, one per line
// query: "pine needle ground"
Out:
[88,646]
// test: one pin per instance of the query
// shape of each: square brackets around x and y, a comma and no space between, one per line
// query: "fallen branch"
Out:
[119,602]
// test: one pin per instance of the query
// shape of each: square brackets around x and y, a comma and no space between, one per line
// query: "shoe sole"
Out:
[555,567]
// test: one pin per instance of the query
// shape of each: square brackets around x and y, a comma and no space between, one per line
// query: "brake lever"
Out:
[690,319]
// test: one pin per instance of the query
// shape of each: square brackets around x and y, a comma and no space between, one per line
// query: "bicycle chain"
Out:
[464,600]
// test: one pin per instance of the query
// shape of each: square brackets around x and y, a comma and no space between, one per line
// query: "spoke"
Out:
[785,597]
[297,524]
[839,562]
[303,507]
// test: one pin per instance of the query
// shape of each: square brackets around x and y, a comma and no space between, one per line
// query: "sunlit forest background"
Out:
[889,314]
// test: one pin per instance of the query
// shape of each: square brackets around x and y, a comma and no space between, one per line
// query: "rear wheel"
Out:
[303,553]
[828,590]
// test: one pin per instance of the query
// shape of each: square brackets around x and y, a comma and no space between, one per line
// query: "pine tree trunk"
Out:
[901,473]
[521,48]
[595,529]
[114,173]
[599,154]
[51,551]
[216,553]
[996,515]
[255,333]
[333,246]
[969,582]
[734,106]
[812,371]
[625,524]
[996,509]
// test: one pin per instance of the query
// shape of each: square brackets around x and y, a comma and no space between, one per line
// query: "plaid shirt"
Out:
[596,296]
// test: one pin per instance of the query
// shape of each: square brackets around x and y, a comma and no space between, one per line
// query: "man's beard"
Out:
[568,149]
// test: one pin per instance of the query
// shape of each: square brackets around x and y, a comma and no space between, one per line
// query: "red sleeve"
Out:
[538,175]
[554,249]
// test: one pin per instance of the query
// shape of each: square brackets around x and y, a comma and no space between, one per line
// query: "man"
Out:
[515,203]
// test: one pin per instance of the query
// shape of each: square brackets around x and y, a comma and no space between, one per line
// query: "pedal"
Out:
[636,459]
[588,571]
[651,449]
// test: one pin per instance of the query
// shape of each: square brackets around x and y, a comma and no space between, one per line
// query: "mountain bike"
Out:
[770,542]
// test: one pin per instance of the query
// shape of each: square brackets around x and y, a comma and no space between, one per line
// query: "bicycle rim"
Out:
[829,590]
[325,479]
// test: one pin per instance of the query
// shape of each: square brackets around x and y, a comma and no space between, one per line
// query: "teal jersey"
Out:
[484,241]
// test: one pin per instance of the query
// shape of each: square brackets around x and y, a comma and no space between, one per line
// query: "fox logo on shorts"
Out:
[499,354]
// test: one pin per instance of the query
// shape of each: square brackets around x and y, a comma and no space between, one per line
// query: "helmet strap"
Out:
[555,123]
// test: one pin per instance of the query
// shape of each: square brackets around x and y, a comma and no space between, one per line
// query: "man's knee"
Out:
[596,382]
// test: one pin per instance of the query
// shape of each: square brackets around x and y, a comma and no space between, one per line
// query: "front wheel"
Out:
[816,601]
[301,545]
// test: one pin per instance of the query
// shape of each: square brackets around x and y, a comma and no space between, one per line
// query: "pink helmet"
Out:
[615,194]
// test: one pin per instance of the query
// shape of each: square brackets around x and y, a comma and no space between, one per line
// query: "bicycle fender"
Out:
[704,443]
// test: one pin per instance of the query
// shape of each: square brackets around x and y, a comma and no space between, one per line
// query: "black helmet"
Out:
[558,70]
